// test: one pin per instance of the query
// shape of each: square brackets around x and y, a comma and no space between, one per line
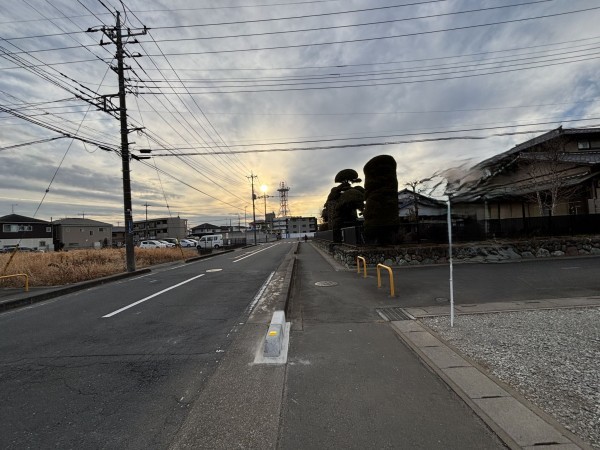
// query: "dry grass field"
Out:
[59,268]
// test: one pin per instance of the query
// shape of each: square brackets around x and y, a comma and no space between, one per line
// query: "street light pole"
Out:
[252,177]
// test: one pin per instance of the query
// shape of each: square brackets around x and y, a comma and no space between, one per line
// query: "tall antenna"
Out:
[283,199]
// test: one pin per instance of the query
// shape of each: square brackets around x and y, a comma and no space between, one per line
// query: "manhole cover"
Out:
[393,314]
[326,283]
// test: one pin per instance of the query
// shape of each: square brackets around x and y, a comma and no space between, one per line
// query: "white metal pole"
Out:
[451,267]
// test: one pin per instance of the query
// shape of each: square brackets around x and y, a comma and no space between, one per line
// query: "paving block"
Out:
[474,383]
[520,423]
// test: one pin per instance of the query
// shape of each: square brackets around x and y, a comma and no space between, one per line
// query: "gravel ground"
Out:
[551,356]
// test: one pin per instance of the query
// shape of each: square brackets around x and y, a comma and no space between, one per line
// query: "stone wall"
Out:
[489,251]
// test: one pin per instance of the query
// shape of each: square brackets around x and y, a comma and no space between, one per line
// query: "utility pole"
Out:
[252,177]
[127,208]
[146,224]
[116,37]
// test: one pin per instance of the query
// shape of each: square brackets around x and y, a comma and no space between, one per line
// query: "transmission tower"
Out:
[283,199]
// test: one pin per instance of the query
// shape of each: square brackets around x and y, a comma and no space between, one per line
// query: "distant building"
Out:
[25,231]
[294,226]
[73,233]
[173,227]
[118,236]
[207,228]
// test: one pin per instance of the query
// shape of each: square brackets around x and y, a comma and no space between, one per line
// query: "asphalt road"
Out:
[119,365]
[495,282]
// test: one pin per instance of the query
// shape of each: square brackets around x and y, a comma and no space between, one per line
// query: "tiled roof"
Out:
[16,218]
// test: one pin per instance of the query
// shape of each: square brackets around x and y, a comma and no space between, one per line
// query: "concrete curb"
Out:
[516,421]
[52,293]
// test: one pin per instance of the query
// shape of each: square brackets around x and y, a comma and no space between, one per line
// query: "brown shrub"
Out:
[58,268]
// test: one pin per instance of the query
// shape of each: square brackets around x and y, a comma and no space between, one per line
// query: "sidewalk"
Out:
[355,380]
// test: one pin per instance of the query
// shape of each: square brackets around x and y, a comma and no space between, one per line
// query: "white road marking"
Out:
[151,296]
[259,295]
[213,270]
[254,253]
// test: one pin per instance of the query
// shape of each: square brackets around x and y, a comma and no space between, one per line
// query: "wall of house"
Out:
[83,236]
[166,227]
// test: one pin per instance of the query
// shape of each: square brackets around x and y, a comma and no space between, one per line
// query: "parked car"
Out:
[167,243]
[11,248]
[211,241]
[188,243]
[173,241]
[152,244]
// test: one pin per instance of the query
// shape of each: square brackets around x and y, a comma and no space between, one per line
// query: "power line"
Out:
[25,144]
[305,16]
[335,27]
[377,63]
[386,83]
[375,144]
[454,65]
[378,38]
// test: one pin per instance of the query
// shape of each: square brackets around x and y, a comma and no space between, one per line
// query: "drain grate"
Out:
[393,314]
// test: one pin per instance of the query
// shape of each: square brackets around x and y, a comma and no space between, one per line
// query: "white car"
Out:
[167,243]
[152,244]
[188,243]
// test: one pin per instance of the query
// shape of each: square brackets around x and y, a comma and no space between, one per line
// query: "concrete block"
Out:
[474,383]
[275,335]
[519,422]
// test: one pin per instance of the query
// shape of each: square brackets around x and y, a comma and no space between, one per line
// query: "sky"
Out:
[233,92]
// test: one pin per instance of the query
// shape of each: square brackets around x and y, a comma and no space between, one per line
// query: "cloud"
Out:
[486,79]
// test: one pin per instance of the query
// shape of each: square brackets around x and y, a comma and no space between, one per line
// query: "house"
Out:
[425,206]
[74,233]
[118,236]
[25,231]
[163,227]
[207,228]
[556,174]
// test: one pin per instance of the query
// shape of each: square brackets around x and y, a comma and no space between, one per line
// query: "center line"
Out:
[151,296]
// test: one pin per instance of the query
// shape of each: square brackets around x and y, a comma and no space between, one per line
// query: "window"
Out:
[91,232]
[48,229]
[583,145]
[10,228]
[100,230]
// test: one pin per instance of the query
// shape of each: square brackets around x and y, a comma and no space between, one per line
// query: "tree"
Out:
[416,187]
[548,177]
[381,199]
[342,202]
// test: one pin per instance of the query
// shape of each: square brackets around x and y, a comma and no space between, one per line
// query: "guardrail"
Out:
[358,260]
[389,269]
[19,275]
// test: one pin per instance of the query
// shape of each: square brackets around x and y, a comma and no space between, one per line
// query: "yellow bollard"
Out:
[358,260]
[19,275]
[389,269]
